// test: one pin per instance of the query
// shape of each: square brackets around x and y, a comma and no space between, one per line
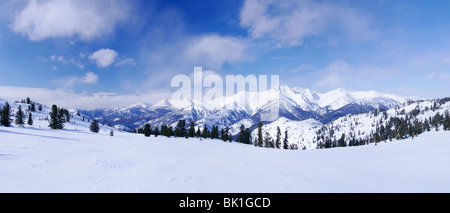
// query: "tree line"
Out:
[244,135]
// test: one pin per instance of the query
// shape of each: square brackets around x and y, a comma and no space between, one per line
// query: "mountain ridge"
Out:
[294,103]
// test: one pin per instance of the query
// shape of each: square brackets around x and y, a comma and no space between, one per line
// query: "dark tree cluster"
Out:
[58,116]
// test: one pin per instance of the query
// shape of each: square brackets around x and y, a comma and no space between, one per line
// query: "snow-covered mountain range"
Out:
[295,104]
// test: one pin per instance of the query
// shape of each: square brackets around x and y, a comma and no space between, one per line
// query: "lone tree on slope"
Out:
[19,117]
[94,127]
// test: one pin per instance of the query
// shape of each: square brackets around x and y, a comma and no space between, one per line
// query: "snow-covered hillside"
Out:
[308,134]
[75,160]
[40,118]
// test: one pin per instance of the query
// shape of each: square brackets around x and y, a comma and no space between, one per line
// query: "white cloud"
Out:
[335,75]
[65,61]
[89,78]
[288,23]
[66,18]
[70,81]
[70,99]
[126,61]
[216,50]
[104,57]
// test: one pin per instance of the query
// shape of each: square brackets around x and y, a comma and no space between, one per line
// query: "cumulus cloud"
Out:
[289,22]
[42,19]
[104,57]
[216,50]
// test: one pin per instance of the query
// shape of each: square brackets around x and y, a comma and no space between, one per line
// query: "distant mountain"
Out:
[295,104]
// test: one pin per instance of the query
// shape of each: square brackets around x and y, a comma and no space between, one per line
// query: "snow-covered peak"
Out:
[162,103]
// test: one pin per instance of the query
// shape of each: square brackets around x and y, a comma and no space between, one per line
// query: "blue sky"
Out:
[114,52]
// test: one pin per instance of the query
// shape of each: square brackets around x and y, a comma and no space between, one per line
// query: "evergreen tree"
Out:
[156,132]
[267,140]
[278,138]
[30,120]
[147,131]
[205,132]
[241,135]
[447,121]
[170,131]
[94,127]
[426,125]
[215,132]
[198,133]
[165,130]
[20,117]
[248,136]
[341,142]
[285,140]
[40,108]
[5,119]
[111,133]
[260,137]
[55,121]
[28,100]
[67,115]
[180,130]
[33,107]
[376,137]
[191,132]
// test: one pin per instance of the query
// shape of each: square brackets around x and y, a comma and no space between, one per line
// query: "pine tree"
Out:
[30,120]
[341,142]
[285,140]
[278,138]
[55,121]
[198,133]
[5,119]
[164,130]
[205,132]
[111,133]
[33,107]
[66,115]
[267,140]
[241,135]
[147,130]
[40,108]
[446,121]
[248,136]
[426,125]
[94,127]
[191,132]
[260,137]
[19,117]
[28,100]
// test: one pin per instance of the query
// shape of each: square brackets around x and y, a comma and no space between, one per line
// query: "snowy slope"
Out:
[364,125]
[361,126]
[40,121]
[43,160]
